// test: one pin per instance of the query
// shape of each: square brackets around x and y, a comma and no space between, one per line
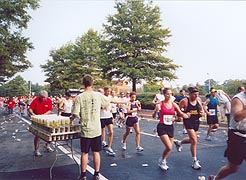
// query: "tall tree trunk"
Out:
[134,83]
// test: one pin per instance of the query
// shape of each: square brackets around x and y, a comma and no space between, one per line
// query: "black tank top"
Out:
[193,110]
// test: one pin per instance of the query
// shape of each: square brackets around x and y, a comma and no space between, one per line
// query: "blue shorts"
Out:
[130,121]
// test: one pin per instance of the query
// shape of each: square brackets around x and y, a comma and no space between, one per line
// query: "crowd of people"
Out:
[100,109]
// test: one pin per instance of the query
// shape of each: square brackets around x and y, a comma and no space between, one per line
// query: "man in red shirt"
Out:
[11,105]
[41,105]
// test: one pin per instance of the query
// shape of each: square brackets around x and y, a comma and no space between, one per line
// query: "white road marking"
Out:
[148,134]
[68,153]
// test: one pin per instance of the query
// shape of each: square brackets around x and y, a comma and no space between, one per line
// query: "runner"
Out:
[107,120]
[132,121]
[236,145]
[178,98]
[156,101]
[165,126]
[193,106]
[210,107]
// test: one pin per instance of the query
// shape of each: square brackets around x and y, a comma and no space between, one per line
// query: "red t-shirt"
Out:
[41,107]
[11,104]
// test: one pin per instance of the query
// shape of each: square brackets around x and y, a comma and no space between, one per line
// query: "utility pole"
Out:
[209,85]
[30,88]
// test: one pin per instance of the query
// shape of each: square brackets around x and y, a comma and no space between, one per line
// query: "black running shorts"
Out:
[163,129]
[106,122]
[95,144]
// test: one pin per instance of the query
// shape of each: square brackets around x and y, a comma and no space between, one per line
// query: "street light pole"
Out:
[30,88]
[209,85]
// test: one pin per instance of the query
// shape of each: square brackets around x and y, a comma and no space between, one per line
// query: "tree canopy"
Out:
[74,60]
[13,45]
[135,42]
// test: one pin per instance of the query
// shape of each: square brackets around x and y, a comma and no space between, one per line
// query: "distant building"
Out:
[120,85]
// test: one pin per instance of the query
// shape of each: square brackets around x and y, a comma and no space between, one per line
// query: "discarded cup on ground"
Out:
[113,165]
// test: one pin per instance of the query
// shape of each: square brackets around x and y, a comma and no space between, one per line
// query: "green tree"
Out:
[86,57]
[135,42]
[15,87]
[72,61]
[13,45]
[57,69]
[230,86]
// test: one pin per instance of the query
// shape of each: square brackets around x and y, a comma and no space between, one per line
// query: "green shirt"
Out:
[88,106]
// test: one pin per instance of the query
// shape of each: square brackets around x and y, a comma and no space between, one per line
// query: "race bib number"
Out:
[212,112]
[134,113]
[168,119]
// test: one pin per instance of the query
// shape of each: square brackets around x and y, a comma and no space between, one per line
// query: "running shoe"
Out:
[37,153]
[96,177]
[139,149]
[163,165]
[211,177]
[130,130]
[110,151]
[184,131]
[208,138]
[123,145]
[83,178]
[104,144]
[214,130]
[178,145]
[48,149]
[196,165]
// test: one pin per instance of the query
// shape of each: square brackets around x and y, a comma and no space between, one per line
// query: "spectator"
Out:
[11,104]
[87,106]
[39,106]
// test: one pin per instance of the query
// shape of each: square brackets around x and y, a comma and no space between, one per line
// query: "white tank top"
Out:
[68,104]
[242,124]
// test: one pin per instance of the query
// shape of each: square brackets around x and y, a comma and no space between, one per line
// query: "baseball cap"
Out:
[193,89]
[212,90]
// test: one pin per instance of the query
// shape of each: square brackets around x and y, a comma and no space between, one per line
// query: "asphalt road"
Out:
[17,160]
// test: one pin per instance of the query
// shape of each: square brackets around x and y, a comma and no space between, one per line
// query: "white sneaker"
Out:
[196,165]
[163,165]
[110,151]
[139,149]
[104,144]
[214,130]
[37,153]
[178,145]
[131,130]
[184,131]
[123,145]
[208,138]
[48,149]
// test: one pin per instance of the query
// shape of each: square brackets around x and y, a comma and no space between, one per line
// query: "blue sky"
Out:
[208,38]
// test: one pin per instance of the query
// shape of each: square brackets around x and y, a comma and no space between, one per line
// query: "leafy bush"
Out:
[146,100]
